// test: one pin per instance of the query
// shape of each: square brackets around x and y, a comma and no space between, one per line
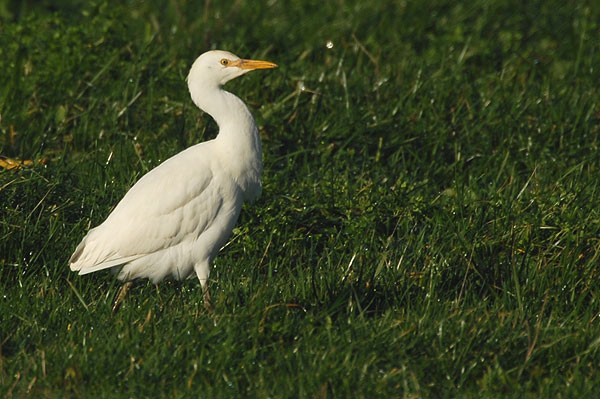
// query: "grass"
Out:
[429,225]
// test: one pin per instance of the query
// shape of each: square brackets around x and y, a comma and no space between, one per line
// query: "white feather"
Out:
[176,217]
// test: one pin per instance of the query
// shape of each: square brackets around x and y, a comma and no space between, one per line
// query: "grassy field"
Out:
[430,217]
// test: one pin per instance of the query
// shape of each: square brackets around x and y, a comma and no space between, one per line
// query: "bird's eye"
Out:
[224,62]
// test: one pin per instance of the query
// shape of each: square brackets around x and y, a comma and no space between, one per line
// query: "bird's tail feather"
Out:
[86,260]
[108,264]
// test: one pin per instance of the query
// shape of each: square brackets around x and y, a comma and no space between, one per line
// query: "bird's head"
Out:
[218,67]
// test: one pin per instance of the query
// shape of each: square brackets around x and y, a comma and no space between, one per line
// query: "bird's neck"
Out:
[230,113]
[236,124]
[238,136]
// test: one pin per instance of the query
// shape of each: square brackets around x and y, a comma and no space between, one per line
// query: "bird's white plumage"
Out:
[173,221]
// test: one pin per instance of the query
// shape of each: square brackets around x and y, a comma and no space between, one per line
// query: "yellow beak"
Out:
[253,64]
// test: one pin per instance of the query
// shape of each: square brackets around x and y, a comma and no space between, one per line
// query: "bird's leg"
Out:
[206,298]
[202,271]
[121,296]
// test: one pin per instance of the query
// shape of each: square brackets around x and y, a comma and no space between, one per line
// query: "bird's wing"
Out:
[176,201]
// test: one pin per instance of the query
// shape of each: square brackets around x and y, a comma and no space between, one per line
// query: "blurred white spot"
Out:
[329,44]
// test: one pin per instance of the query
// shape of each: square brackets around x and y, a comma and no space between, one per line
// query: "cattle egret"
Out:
[175,219]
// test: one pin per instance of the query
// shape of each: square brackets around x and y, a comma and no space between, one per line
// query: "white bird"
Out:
[175,219]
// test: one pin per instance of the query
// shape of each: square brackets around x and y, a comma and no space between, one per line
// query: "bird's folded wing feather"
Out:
[172,203]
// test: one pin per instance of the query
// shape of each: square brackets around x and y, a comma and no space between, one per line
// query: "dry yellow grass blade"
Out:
[10,163]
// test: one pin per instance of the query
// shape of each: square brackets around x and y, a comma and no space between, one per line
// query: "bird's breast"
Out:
[241,159]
